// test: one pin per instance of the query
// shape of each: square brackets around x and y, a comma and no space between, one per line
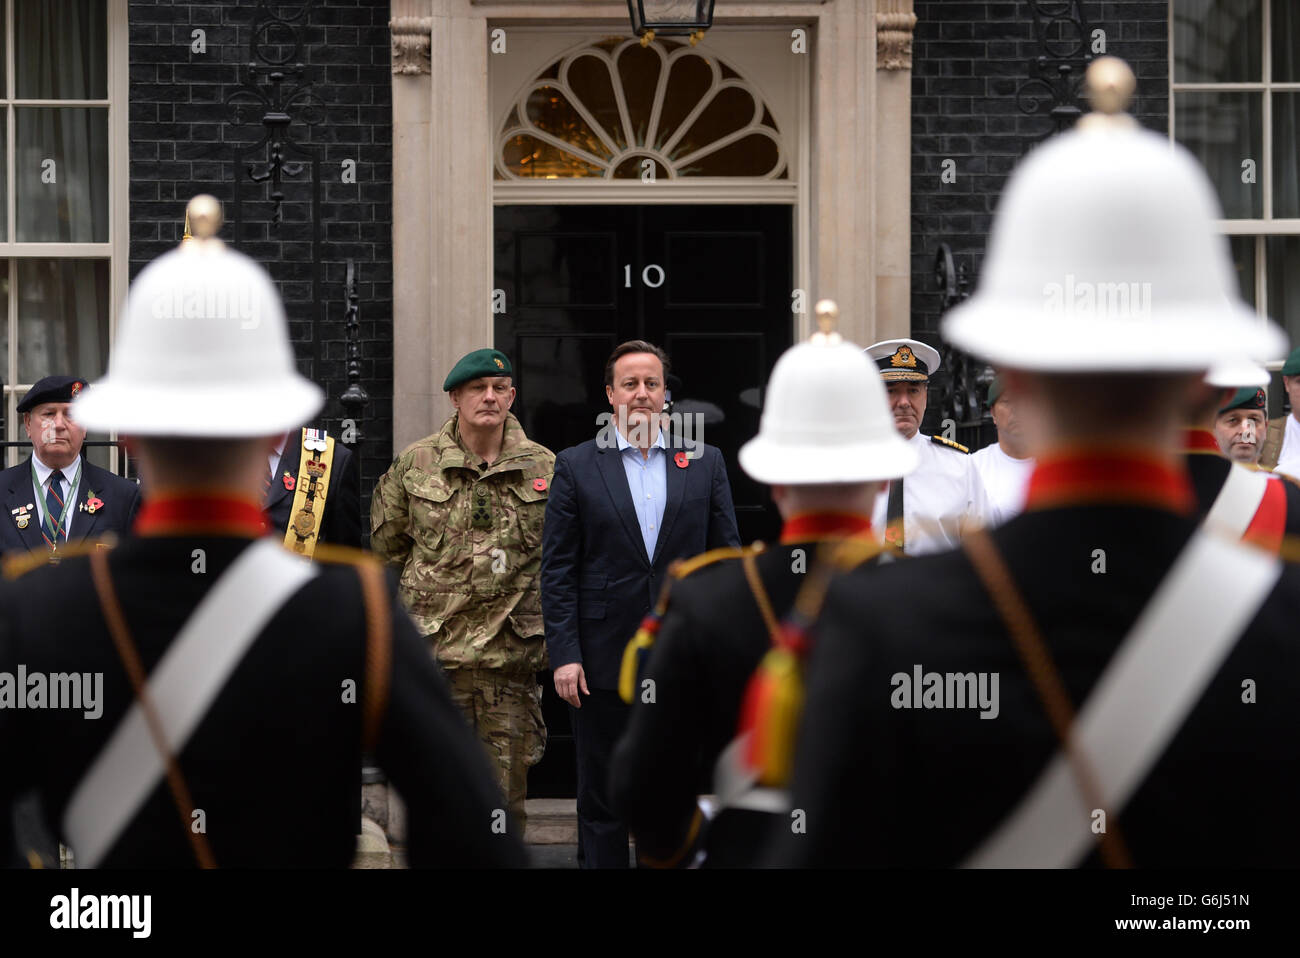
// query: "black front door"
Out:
[710,284]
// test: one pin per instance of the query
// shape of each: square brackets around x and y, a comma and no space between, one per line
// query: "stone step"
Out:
[551,821]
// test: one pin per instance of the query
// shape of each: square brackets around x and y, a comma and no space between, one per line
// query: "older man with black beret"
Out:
[55,496]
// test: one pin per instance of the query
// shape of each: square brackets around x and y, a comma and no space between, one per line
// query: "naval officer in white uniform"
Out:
[928,511]
[1004,466]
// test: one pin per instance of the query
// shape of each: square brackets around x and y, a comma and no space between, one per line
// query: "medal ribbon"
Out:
[49,531]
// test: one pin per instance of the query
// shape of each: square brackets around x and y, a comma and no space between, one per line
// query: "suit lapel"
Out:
[676,490]
[21,493]
[83,521]
[290,461]
[610,464]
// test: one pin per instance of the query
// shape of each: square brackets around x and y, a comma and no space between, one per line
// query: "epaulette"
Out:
[19,565]
[950,444]
[1288,549]
[851,553]
[345,555]
[684,567]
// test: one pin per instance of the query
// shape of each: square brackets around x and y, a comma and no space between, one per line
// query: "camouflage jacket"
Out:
[468,546]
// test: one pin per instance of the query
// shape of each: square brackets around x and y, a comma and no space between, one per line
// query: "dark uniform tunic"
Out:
[924,787]
[712,638]
[275,762]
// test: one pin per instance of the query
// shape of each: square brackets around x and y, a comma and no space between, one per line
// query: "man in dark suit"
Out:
[199,656]
[722,612]
[290,468]
[54,496]
[622,508]
[1112,644]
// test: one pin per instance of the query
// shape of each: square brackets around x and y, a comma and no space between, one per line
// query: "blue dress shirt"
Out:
[647,480]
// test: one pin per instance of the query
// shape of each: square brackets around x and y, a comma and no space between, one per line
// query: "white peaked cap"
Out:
[202,350]
[826,419]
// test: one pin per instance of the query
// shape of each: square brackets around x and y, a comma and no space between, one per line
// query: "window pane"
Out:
[1283,258]
[1286,41]
[1224,130]
[61,171]
[1243,263]
[62,318]
[4,180]
[4,354]
[1286,148]
[61,49]
[1218,41]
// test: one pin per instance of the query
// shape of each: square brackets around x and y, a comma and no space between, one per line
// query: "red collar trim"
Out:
[200,515]
[818,525]
[1200,440]
[1084,476]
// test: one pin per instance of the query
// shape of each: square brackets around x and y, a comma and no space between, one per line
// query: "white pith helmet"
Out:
[826,418]
[1103,257]
[202,350]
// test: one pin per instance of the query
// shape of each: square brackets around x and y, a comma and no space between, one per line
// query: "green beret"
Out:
[995,390]
[1247,397]
[481,362]
[1292,365]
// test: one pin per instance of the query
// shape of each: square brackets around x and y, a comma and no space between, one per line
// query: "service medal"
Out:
[23,519]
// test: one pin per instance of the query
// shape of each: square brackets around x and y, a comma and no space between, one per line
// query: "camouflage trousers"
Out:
[505,711]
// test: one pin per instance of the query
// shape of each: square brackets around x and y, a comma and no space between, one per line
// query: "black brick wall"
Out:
[183,138]
[968,61]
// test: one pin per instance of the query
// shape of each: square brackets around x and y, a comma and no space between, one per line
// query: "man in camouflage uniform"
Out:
[459,514]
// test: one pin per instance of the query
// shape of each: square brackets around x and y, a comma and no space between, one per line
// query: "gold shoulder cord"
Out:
[761,597]
[310,489]
[996,577]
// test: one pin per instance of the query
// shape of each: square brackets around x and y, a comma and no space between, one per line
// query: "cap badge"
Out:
[76,388]
[1259,398]
[288,481]
[539,485]
[500,364]
[681,460]
[903,357]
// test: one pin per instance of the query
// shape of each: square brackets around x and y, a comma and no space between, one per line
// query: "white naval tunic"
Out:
[1005,480]
[943,493]
[1288,459]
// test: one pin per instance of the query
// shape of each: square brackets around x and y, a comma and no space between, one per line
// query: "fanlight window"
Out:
[618,110]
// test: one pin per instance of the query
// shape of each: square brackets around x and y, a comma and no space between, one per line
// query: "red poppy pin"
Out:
[681,460]
[539,485]
[288,482]
[93,503]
